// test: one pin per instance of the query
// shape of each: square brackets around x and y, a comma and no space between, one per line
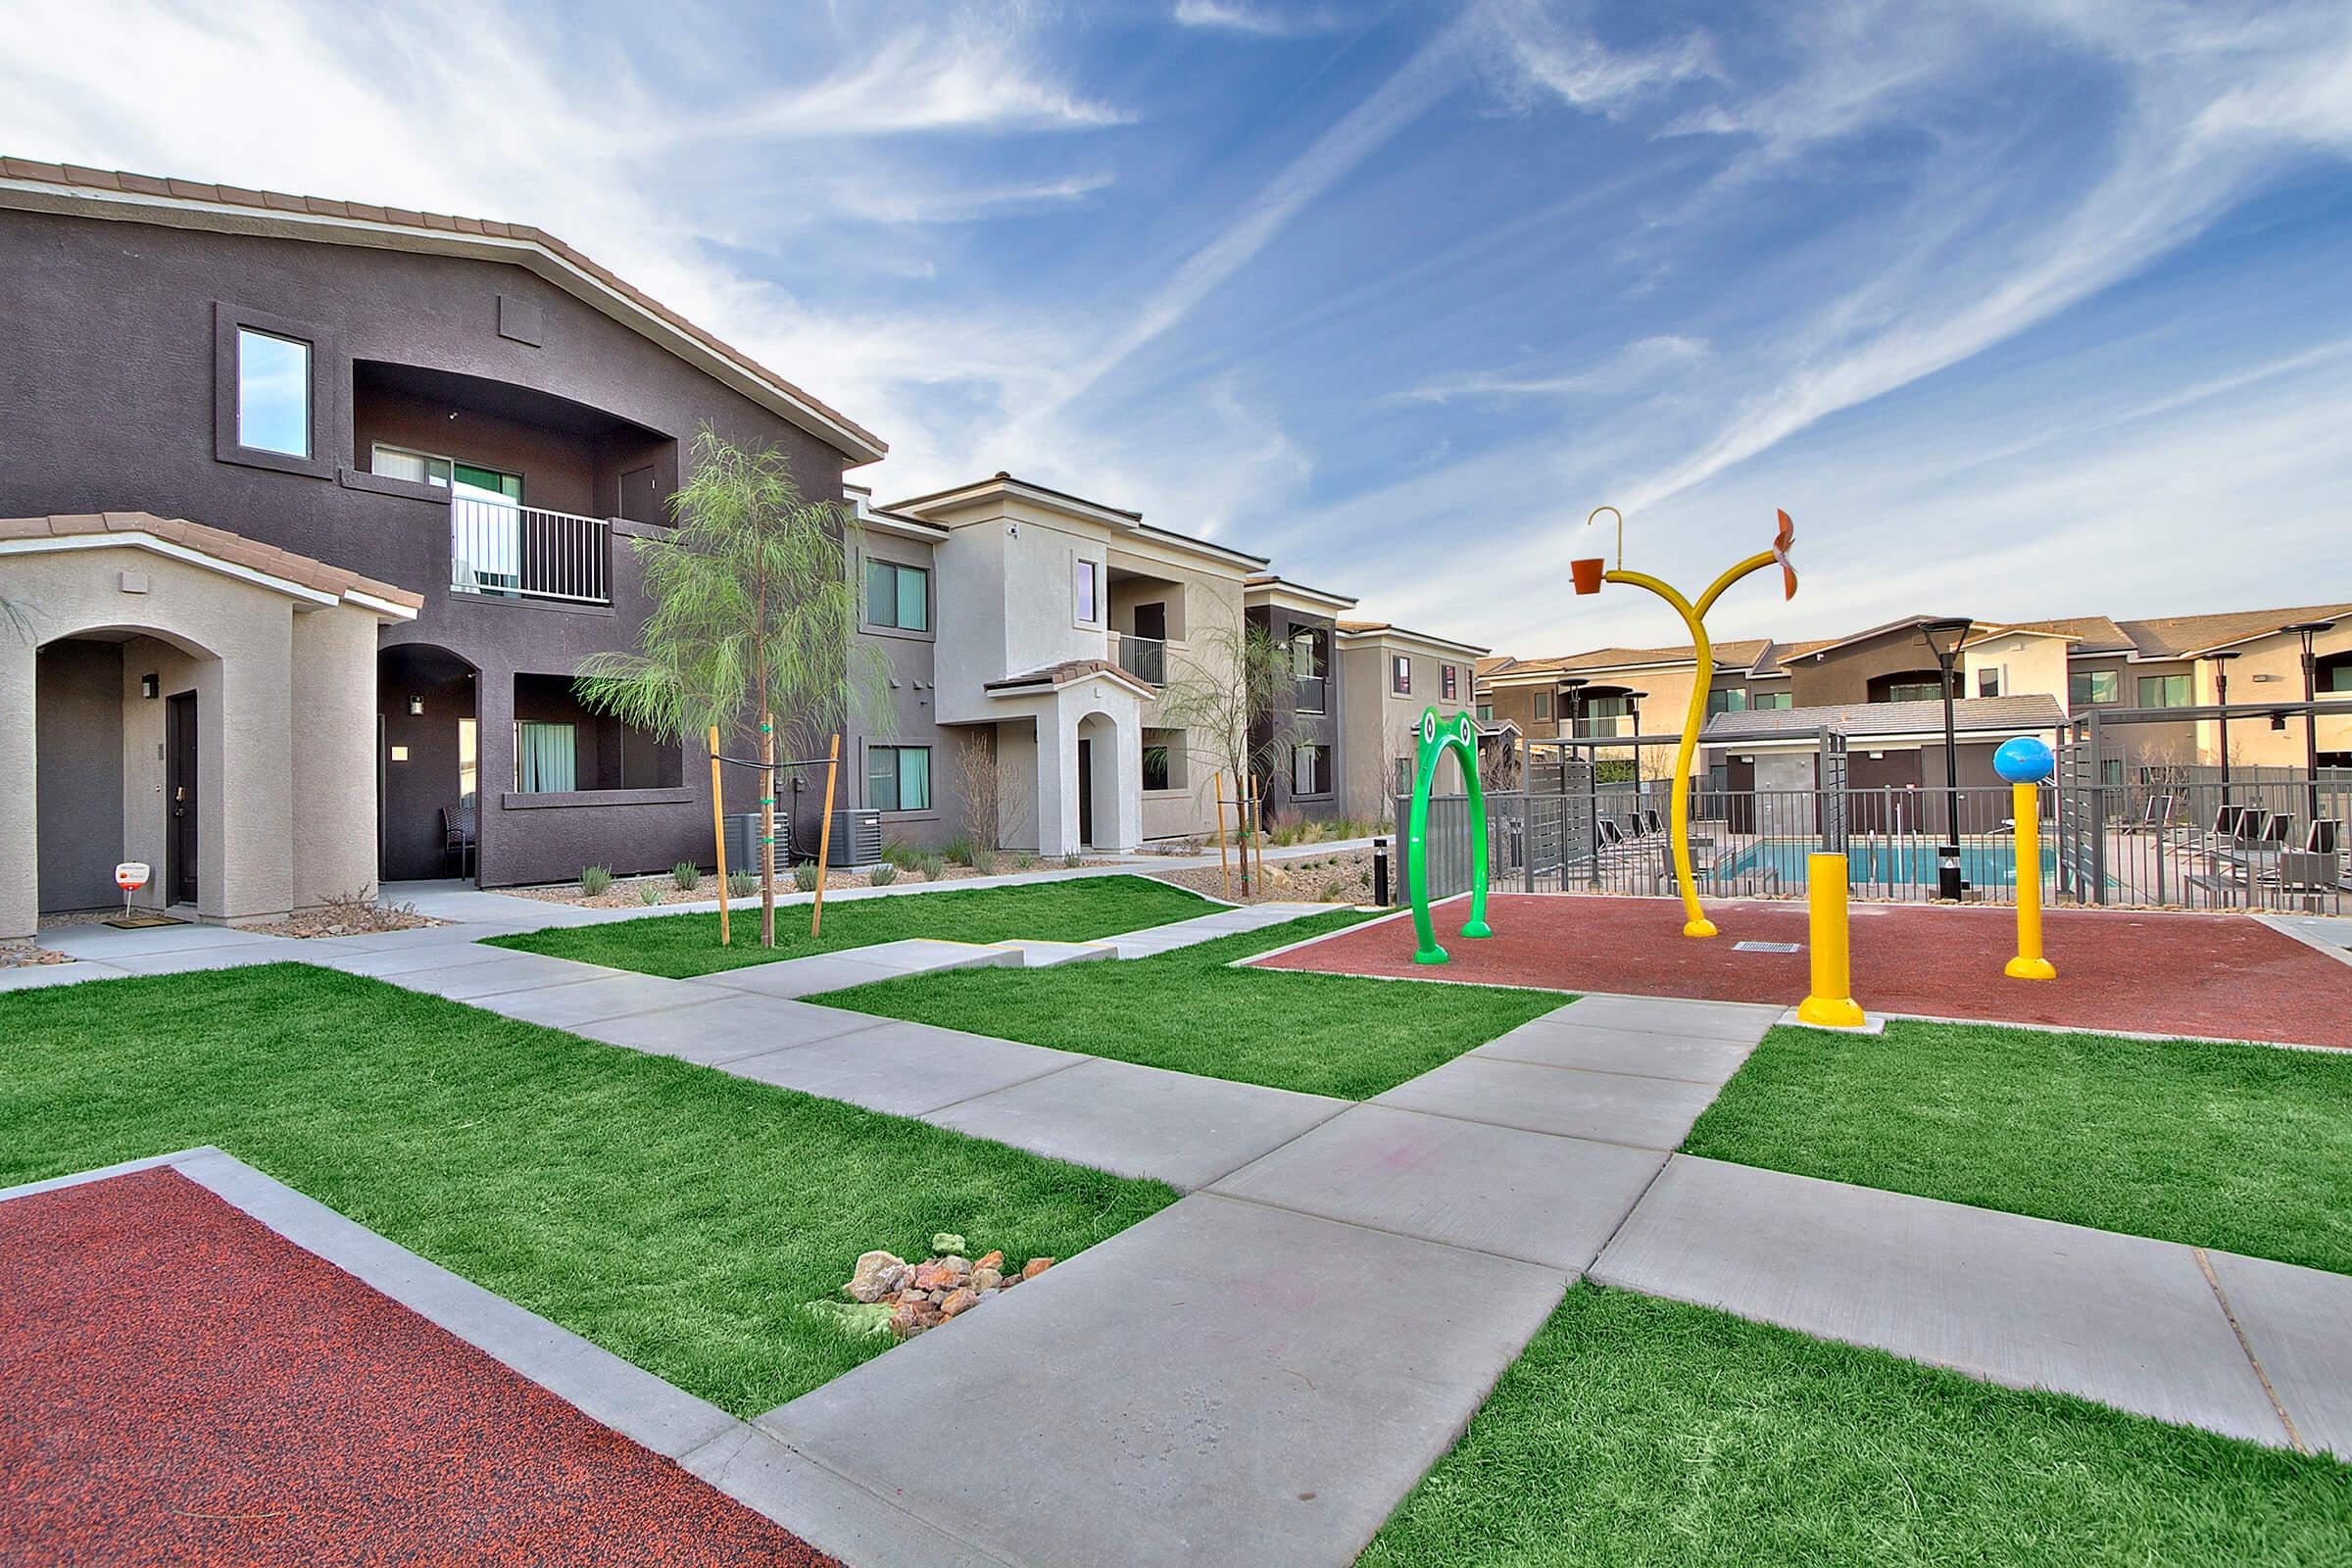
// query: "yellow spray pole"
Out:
[1695,924]
[2025,805]
[1830,1005]
[718,831]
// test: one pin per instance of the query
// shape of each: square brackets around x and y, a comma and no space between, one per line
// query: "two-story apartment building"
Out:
[1390,674]
[1307,781]
[314,506]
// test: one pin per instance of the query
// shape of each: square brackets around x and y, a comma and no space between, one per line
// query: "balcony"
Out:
[1144,658]
[1311,694]
[1603,726]
[502,551]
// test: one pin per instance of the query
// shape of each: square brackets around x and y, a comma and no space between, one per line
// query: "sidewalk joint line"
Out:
[2205,1266]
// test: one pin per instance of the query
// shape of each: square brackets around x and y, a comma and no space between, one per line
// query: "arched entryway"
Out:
[428,763]
[1107,774]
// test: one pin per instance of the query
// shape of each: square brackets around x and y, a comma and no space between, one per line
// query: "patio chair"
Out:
[459,825]
[2325,836]
[2155,817]
[1649,815]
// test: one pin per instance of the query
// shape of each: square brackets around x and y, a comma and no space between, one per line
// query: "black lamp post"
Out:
[1943,639]
[2220,678]
[1633,708]
[2308,631]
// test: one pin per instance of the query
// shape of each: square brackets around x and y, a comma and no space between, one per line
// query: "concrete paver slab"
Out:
[448,954]
[238,956]
[2029,1302]
[904,1070]
[2298,1322]
[1739,1022]
[1052,954]
[729,1027]
[509,971]
[1530,1195]
[1141,1121]
[568,1006]
[1221,1384]
[791,978]
[1553,1041]
[98,941]
[925,954]
[833,1515]
[1614,1107]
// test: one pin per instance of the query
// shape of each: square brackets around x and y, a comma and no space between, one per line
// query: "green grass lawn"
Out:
[672,1214]
[1637,1431]
[681,946]
[1321,1034]
[2243,1148]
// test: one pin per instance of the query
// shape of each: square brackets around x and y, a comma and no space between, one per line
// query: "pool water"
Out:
[1877,860]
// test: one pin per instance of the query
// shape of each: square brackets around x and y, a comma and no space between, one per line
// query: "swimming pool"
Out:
[1881,862]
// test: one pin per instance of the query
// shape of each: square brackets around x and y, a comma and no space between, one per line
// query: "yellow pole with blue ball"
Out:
[2025,763]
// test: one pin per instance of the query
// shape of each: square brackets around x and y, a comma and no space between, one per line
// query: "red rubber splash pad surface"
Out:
[2218,975]
[178,1384]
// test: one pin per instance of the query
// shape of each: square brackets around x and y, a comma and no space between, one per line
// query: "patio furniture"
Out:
[2155,817]
[459,826]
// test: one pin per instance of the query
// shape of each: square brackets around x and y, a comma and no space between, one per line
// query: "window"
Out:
[1914,692]
[1543,706]
[273,393]
[1447,686]
[1163,759]
[2164,691]
[2085,687]
[1310,666]
[1486,713]
[1771,702]
[1310,770]
[1401,674]
[898,596]
[545,757]
[2334,673]
[898,778]
[469,770]
[1730,700]
[1989,681]
[1306,655]
[396,463]
[2111,771]
[1088,607]
[467,481]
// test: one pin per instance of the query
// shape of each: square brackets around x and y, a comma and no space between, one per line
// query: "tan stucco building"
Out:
[175,694]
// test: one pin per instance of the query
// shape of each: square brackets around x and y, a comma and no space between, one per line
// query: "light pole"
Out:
[1943,639]
[2221,679]
[2308,631]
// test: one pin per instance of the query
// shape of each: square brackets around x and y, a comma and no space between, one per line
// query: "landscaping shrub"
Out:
[959,849]
[983,859]
[742,884]
[687,875]
[648,892]
[595,879]
[804,876]
[1024,861]
[1072,861]
[882,875]
[900,853]
[933,865]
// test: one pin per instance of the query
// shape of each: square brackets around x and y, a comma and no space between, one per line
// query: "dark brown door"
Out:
[1086,792]
[180,800]
[641,497]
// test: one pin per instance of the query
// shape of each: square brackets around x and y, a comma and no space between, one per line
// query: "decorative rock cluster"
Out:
[889,1294]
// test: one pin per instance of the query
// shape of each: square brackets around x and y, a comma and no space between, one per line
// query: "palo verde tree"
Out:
[1241,697]
[755,615]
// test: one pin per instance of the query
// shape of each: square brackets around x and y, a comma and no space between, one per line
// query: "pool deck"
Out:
[2212,976]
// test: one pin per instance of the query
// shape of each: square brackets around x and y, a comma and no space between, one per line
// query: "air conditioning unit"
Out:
[856,840]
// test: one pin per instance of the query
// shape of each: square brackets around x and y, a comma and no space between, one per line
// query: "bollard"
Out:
[1380,872]
[2025,763]
[1832,1004]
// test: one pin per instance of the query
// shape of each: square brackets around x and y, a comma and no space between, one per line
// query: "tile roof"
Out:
[2019,714]
[2178,636]
[1062,674]
[218,543]
[75,175]
[2093,634]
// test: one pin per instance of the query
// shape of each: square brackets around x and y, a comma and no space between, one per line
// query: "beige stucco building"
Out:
[178,695]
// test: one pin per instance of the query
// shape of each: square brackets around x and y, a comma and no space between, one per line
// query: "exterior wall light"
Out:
[415,707]
[150,687]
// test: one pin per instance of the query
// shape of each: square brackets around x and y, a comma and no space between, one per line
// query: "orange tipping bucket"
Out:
[1587,574]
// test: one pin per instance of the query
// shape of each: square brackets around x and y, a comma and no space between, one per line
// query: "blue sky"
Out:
[2019,309]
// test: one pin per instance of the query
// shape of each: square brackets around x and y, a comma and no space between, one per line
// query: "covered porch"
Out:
[1069,740]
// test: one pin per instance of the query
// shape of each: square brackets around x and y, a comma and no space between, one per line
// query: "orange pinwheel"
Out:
[1780,553]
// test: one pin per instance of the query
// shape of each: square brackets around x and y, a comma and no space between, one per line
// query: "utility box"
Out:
[857,841]
[856,838]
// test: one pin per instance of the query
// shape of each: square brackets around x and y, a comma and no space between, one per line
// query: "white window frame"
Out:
[1086,591]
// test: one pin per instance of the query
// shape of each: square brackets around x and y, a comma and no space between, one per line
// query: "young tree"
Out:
[1242,697]
[754,616]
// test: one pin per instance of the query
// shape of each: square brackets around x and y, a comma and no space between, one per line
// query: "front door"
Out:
[180,800]
[1086,793]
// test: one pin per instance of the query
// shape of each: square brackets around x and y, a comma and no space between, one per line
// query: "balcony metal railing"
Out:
[1144,658]
[1312,695]
[513,551]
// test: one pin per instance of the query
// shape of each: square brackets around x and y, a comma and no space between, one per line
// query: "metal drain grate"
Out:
[1768,946]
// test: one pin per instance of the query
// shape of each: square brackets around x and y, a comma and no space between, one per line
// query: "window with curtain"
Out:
[2087,687]
[1310,770]
[1726,700]
[1767,701]
[2164,691]
[1401,674]
[544,758]
[1543,706]
[896,596]
[898,778]
[1448,685]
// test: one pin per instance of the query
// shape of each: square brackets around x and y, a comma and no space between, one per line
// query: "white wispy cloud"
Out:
[927,79]
[1640,363]
[1541,54]
[1267,22]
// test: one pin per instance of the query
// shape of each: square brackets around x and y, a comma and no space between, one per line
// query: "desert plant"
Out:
[687,875]
[1238,698]
[595,879]
[804,876]
[648,892]
[1024,861]
[1072,861]
[933,865]
[755,615]
[983,859]
[742,884]
[959,849]
[882,875]
[900,853]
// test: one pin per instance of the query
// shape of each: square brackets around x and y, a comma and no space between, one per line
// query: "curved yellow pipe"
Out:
[1695,922]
